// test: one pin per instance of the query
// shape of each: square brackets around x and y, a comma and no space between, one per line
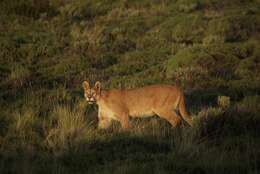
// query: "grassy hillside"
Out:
[210,48]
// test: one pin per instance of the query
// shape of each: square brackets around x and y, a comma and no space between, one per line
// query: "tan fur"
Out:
[162,100]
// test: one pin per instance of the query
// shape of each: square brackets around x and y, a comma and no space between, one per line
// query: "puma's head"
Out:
[91,94]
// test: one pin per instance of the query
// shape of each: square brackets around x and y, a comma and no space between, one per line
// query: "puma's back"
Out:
[162,100]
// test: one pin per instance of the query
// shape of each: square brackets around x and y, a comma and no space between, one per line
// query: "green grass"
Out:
[210,48]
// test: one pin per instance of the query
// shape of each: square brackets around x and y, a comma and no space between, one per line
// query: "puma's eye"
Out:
[88,95]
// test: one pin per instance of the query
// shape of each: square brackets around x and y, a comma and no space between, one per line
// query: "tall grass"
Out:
[69,129]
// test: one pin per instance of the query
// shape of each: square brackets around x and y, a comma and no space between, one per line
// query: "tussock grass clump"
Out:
[224,101]
[69,129]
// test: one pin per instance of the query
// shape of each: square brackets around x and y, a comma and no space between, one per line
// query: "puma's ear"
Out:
[85,85]
[98,86]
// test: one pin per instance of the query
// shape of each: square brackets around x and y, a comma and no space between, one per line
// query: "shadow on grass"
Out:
[120,147]
[93,156]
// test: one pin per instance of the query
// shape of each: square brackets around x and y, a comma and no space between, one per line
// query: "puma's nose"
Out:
[90,99]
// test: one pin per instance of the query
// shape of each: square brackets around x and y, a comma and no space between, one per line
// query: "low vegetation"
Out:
[210,48]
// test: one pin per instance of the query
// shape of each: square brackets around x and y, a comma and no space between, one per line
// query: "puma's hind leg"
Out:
[170,116]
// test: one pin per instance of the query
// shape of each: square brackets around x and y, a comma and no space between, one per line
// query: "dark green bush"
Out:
[237,120]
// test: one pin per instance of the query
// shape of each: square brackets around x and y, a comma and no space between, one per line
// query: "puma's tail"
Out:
[183,112]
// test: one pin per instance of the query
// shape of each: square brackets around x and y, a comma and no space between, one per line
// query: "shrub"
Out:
[212,65]
[188,5]
[236,120]
[189,29]
[185,57]
[80,9]
[250,103]
[213,39]
[27,8]
[233,28]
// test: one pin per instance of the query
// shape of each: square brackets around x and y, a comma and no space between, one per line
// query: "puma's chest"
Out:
[106,111]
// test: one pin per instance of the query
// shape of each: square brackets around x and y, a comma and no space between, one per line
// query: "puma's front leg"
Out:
[103,122]
[124,120]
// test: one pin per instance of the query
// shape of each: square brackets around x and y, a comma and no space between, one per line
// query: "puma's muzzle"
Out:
[90,100]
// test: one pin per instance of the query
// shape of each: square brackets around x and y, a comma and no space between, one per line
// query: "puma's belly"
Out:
[141,113]
[142,108]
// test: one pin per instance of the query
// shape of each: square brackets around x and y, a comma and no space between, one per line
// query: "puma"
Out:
[114,104]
